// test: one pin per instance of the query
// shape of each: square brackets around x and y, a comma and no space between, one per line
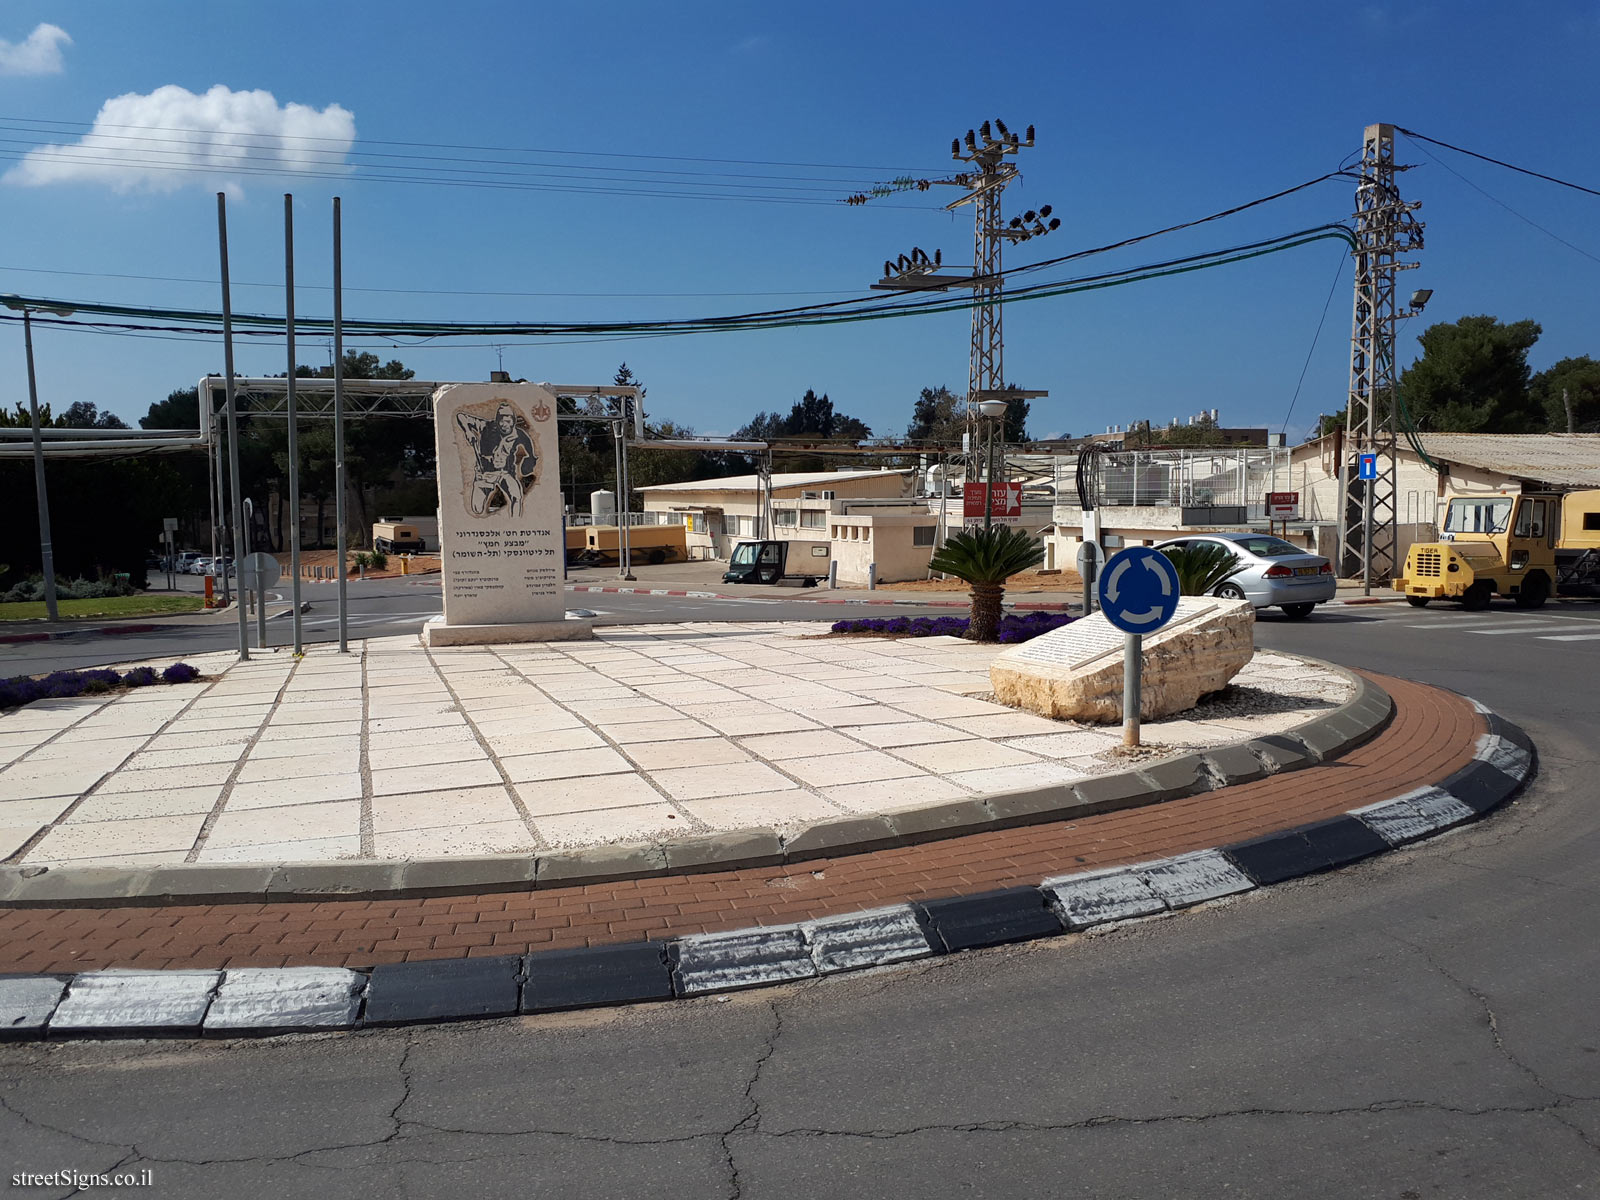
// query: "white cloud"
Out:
[37,54]
[173,137]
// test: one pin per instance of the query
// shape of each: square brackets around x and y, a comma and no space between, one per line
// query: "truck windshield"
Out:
[744,554]
[1478,516]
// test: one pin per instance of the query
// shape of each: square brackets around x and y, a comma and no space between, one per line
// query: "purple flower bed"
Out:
[23,689]
[1014,627]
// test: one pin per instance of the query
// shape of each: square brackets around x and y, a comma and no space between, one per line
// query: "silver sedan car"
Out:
[1276,573]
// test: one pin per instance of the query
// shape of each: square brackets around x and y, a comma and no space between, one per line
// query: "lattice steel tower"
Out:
[1385,229]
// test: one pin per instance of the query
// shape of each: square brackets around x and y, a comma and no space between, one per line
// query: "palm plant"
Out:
[1202,567]
[985,559]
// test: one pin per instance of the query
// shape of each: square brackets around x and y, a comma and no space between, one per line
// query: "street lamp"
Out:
[993,412]
[46,553]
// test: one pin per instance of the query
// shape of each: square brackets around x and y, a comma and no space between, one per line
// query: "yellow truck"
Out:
[646,543]
[393,536]
[1528,546]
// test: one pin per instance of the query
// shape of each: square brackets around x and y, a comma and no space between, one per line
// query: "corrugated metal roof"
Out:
[747,483]
[1561,459]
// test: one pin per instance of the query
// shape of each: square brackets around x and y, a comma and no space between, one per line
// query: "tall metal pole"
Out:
[47,554]
[1132,686]
[236,489]
[338,425]
[1385,229]
[988,480]
[294,441]
[220,534]
[624,534]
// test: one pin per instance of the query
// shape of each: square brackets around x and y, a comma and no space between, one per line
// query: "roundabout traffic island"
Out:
[236,947]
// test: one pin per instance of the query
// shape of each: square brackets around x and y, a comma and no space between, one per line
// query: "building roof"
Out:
[791,479]
[1557,459]
[1560,459]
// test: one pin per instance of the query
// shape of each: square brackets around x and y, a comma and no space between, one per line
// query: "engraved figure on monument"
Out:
[504,460]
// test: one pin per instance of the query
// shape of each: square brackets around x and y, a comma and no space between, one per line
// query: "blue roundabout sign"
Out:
[1139,590]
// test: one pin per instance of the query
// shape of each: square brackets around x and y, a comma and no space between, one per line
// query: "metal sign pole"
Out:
[1132,686]
[294,441]
[338,426]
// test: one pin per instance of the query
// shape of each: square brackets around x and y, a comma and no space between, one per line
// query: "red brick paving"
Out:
[1432,735]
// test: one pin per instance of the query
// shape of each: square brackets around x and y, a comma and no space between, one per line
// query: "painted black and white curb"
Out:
[256,1001]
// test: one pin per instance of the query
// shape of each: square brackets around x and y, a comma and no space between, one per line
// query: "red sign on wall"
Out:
[1005,502]
[1282,506]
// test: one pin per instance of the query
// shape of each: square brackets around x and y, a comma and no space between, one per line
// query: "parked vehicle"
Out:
[1277,574]
[783,561]
[396,537]
[1528,547]
[646,543]
[184,563]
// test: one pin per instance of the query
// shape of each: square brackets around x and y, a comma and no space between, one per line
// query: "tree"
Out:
[180,410]
[985,559]
[937,416]
[1572,385]
[813,418]
[1473,378]
[1201,433]
[85,414]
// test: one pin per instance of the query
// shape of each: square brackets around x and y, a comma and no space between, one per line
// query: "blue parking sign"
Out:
[1367,466]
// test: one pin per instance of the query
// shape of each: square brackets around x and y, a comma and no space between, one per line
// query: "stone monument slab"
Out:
[1075,672]
[501,544]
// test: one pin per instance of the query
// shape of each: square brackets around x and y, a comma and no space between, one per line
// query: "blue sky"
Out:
[1147,115]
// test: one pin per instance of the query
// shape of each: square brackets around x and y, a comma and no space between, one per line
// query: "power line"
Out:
[199,322]
[1306,366]
[1566,183]
[278,138]
[1521,217]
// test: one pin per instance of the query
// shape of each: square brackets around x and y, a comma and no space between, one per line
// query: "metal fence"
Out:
[1232,479]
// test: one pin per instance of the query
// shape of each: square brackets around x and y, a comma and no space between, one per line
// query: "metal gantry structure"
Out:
[1385,230]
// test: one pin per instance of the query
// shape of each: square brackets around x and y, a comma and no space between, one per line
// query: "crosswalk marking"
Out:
[1533,629]
[1569,637]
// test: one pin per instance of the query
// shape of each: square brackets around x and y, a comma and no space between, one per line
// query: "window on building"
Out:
[813,518]
[747,527]
[785,516]
[695,521]
[923,535]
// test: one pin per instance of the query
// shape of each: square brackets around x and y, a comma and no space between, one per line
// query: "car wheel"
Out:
[1230,591]
[1418,601]
[1535,591]
[657,557]
[1297,612]
[1476,598]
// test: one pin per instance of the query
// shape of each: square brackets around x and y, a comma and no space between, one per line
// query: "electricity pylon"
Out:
[1385,229]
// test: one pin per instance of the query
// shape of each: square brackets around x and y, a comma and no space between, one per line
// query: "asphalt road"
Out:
[1423,1025]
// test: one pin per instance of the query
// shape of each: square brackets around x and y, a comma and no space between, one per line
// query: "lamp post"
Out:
[47,557]
[993,412]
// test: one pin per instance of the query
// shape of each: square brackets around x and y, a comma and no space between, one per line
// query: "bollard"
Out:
[833,574]
[405,564]
[872,577]
[211,591]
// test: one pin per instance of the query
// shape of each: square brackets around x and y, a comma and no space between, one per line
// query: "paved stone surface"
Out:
[1433,733]
[653,733]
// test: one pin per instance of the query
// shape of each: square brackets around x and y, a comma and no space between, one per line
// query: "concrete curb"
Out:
[257,1001]
[56,635]
[1346,727]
